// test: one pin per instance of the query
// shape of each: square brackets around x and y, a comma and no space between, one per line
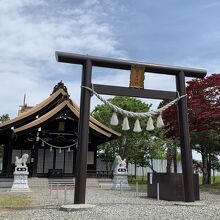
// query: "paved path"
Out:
[111,204]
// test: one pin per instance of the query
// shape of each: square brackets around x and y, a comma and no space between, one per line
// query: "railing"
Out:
[61,185]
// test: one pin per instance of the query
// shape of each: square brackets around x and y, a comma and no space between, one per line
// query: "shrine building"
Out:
[48,133]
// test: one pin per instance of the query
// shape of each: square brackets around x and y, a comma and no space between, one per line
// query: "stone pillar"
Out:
[35,158]
[9,157]
[5,159]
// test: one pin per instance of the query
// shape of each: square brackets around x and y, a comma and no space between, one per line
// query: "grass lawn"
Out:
[217,180]
[14,201]
[213,186]
[142,182]
[140,185]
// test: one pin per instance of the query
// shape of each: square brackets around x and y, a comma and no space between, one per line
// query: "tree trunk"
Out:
[169,160]
[135,170]
[213,176]
[204,168]
[151,166]
[209,167]
[123,147]
[174,159]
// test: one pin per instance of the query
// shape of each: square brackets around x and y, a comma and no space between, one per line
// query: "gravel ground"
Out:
[111,204]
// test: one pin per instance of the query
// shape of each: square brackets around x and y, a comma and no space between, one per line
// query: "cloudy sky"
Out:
[183,33]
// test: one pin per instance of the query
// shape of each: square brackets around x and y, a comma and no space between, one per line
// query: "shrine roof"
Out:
[75,109]
[35,109]
[50,107]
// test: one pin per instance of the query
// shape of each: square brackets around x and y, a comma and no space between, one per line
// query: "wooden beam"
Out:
[126,64]
[140,93]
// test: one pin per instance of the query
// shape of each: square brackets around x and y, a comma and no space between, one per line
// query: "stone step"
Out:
[34,182]
[44,182]
[105,180]
[38,182]
[6,182]
[92,182]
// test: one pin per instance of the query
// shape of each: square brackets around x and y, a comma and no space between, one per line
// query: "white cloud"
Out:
[210,65]
[31,32]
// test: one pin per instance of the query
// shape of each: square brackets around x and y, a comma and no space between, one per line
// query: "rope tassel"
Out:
[114,119]
[150,124]
[160,122]
[125,124]
[137,126]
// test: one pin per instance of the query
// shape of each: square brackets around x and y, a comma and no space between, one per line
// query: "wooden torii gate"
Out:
[180,73]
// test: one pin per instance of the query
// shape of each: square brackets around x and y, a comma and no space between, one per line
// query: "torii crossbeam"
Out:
[179,72]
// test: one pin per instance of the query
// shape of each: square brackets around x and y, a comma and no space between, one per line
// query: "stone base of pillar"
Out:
[20,183]
[120,181]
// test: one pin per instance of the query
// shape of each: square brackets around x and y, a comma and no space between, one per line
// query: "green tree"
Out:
[208,145]
[4,117]
[137,148]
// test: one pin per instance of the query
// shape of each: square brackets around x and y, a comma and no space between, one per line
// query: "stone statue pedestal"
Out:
[120,180]
[20,183]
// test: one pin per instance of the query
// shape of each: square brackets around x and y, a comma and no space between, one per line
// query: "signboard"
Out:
[137,76]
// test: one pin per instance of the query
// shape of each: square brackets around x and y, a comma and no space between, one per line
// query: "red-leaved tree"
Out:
[203,102]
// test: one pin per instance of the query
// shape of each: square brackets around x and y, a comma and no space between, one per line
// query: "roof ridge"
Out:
[54,111]
[60,85]
[36,108]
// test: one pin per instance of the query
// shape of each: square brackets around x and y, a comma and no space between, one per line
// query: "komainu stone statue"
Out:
[120,180]
[20,183]
[19,162]
[119,164]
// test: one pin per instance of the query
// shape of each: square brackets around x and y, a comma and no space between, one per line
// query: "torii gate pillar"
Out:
[186,152]
[83,135]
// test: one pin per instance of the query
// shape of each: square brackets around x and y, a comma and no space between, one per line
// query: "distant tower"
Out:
[24,100]
[24,107]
